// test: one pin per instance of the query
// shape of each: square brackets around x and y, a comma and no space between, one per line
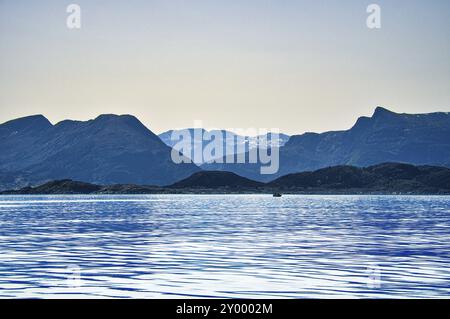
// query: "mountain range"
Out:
[229,139]
[113,149]
[420,139]
[107,150]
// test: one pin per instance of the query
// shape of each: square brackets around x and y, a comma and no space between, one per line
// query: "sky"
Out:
[297,66]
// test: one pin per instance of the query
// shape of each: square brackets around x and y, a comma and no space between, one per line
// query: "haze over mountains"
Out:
[114,149]
[239,143]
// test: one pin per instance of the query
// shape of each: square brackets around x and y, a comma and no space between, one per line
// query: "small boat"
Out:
[277,195]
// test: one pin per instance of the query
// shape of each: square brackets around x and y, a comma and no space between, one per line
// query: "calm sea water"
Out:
[251,246]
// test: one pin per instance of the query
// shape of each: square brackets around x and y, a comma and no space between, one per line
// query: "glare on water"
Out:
[250,246]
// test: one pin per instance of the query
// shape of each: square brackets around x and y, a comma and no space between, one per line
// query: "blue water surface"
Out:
[249,246]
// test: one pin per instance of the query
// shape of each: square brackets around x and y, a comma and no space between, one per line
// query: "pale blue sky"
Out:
[294,65]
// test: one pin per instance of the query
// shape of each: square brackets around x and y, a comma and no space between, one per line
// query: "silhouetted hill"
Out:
[387,178]
[110,149]
[69,187]
[61,187]
[215,179]
[419,139]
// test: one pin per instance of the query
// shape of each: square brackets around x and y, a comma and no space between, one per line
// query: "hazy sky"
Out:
[294,65]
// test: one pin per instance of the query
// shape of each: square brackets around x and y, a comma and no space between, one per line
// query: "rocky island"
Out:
[386,178]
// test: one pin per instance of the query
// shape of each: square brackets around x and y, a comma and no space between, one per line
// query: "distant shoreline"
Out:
[232,193]
[381,179]
[269,192]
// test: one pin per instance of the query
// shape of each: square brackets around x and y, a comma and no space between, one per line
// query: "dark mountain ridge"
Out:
[216,179]
[118,149]
[108,149]
[386,178]
[419,139]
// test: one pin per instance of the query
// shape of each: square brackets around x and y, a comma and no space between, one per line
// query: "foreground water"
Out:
[250,246]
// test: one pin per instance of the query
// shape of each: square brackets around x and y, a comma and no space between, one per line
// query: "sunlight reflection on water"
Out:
[249,246]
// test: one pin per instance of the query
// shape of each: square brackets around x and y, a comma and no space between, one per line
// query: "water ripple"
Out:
[236,246]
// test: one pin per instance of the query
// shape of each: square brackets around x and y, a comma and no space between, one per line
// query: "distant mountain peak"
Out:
[37,121]
[116,117]
[384,137]
[108,149]
[126,121]
[106,116]
[35,117]
[380,111]
[229,140]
